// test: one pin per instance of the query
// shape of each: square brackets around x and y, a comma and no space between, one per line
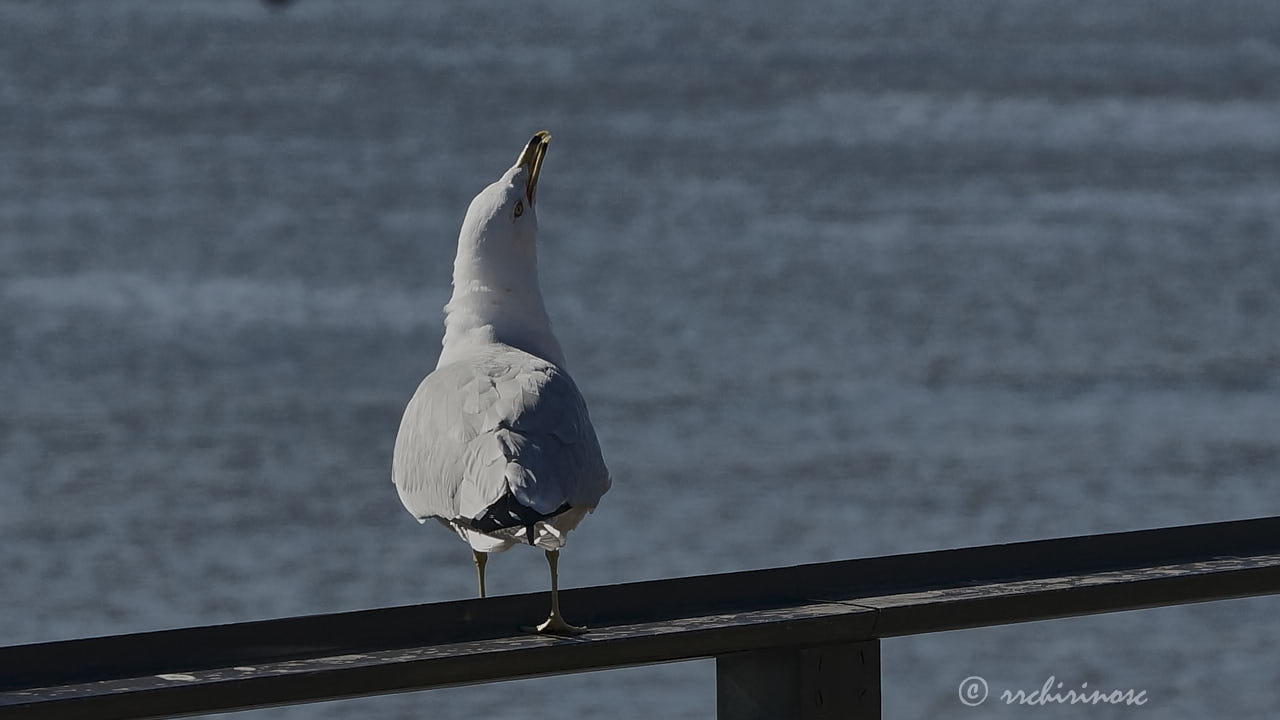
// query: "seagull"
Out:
[497,443]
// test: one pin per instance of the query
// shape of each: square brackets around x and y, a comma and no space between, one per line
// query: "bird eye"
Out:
[519,208]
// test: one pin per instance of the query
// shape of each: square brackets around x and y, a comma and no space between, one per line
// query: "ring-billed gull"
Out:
[496,442]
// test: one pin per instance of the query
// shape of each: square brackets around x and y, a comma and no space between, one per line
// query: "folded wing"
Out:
[501,422]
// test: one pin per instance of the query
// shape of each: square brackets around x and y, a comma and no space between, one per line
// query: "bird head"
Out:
[495,275]
[501,221]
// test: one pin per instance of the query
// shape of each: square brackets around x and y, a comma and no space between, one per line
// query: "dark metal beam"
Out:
[820,683]
[243,665]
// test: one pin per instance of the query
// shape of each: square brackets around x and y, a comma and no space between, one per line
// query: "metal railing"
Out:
[792,642]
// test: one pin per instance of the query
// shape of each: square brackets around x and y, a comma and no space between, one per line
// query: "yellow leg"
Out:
[480,559]
[555,624]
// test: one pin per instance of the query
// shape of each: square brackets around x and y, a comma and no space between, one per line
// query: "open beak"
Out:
[531,160]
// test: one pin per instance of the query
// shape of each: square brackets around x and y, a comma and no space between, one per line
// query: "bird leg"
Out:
[555,624]
[480,559]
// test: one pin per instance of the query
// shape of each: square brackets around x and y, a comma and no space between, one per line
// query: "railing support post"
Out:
[830,681]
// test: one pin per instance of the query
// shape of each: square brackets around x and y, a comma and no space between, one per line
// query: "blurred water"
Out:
[862,277]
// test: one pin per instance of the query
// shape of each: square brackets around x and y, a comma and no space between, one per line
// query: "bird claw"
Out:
[555,625]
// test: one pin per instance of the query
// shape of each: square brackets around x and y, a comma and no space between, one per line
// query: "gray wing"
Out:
[503,420]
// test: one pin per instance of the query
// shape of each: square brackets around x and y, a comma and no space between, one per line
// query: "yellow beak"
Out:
[531,160]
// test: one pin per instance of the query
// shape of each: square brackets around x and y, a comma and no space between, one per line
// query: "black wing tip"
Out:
[508,512]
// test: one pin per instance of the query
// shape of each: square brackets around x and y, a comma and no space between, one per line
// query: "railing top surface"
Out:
[206,669]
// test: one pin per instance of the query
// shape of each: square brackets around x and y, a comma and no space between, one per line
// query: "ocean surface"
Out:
[839,280]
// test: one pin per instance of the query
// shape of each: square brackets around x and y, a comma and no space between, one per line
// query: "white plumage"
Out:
[497,442]
[501,421]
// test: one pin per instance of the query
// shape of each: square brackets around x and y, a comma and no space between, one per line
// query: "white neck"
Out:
[494,304]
